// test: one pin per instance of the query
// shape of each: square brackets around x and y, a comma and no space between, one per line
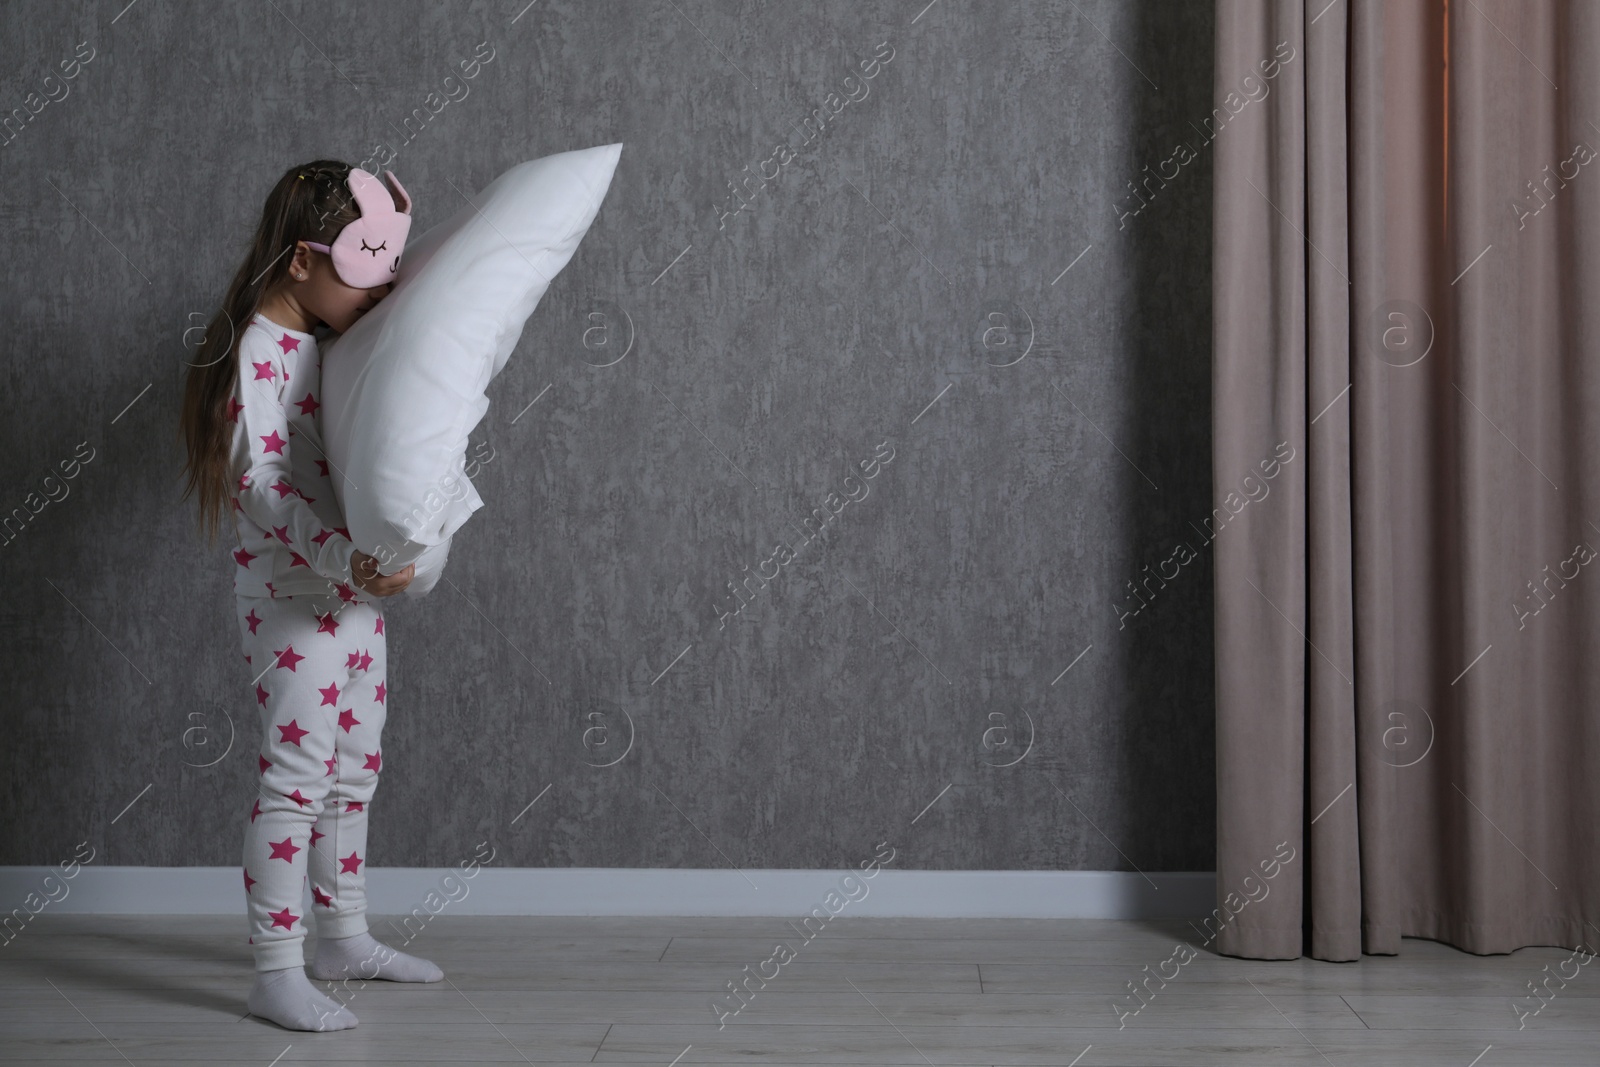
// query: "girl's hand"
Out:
[364,572]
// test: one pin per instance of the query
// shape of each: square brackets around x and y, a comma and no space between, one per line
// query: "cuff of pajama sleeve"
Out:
[343,550]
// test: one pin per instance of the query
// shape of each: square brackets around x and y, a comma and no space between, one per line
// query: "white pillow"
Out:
[404,386]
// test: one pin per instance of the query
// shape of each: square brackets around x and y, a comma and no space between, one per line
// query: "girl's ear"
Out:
[401,199]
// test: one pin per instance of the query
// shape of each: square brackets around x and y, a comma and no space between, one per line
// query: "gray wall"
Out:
[847,307]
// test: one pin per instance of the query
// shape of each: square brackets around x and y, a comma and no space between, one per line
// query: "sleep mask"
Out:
[366,254]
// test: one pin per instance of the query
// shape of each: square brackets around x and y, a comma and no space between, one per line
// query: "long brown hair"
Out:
[309,202]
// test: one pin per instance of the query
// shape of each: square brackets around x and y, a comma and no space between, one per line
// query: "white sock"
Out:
[363,956]
[288,998]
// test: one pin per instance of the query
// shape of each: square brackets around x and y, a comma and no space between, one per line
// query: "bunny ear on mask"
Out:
[400,193]
[372,198]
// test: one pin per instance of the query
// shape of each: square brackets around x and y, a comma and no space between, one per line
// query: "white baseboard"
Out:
[636,891]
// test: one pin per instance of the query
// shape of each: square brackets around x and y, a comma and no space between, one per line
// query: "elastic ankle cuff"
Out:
[348,924]
[279,955]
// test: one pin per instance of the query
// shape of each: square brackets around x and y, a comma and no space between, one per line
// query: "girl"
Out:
[305,596]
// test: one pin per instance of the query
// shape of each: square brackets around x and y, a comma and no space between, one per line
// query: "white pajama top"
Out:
[289,530]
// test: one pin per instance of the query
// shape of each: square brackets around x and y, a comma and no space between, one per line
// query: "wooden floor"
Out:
[562,991]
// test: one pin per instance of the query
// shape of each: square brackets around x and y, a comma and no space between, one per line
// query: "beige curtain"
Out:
[1407,343]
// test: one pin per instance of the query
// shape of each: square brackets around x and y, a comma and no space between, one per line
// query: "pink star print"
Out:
[281,533]
[289,344]
[382,692]
[248,881]
[327,624]
[322,467]
[288,657]
[243,558]
[284,850]
[322,537]
[347,719]
[271,442]
[366,660]
[234,407]
[378,629]
[264,370]
[321,898]
[265,763]
[346,594]
[261,695]
[297,798]
[297,560]
[252,619]
[283,918]
[354,805]
[292,734]
[309,405]
[331,762]
[255,809]
[283,488]
[350,864]
[351,660]
[330,695]
[315,833]
[374,761]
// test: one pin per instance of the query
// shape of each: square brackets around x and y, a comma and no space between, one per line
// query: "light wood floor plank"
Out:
[564,991]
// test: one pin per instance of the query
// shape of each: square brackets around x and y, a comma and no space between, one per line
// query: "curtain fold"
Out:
[1407,237]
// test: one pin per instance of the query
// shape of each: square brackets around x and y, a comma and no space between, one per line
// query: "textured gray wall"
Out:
[883,288]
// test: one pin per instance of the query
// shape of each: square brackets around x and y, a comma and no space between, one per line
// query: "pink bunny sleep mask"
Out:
[366,254]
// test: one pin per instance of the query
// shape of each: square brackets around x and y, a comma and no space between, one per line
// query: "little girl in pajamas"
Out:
[306,599]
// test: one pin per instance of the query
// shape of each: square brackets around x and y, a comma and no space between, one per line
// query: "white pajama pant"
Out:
[318,665]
